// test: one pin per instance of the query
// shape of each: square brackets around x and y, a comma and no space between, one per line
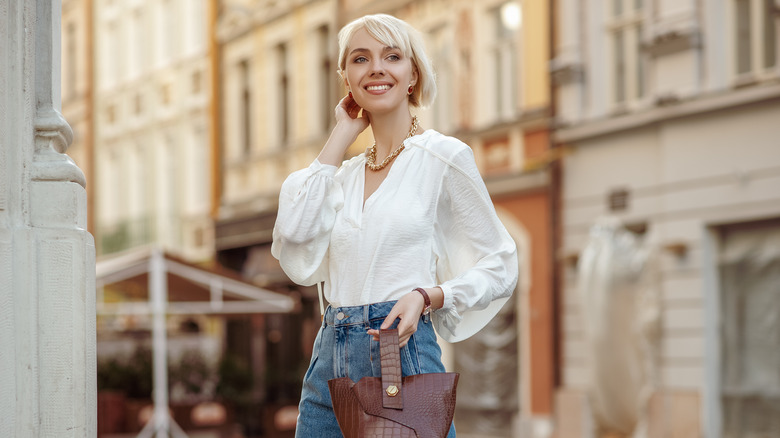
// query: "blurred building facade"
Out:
[670,112]
[189,114]
[151,126]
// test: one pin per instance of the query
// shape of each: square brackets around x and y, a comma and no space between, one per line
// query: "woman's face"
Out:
[378,76]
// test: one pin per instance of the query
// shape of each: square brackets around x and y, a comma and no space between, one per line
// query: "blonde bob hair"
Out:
[396,33]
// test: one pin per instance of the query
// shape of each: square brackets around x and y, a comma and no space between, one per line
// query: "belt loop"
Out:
[325,316]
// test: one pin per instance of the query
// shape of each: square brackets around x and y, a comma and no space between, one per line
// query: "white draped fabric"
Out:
[621,323]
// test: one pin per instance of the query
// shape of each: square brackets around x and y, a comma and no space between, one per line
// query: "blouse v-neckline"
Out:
[368,199]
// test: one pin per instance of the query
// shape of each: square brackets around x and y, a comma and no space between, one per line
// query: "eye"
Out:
[394,57]
[359,59]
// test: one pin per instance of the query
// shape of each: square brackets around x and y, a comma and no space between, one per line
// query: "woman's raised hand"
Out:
[348,126]
[347,111]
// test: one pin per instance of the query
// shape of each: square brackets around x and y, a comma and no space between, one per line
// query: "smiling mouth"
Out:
[378,87]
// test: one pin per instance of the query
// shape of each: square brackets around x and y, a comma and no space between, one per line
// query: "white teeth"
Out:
[377,87]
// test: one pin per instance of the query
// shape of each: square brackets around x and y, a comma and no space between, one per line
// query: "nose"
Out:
[377,67]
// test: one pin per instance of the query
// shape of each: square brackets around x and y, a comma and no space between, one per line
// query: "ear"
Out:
[415,75]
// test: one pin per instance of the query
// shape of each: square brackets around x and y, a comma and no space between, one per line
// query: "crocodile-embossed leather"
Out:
[390,355]
[428,401]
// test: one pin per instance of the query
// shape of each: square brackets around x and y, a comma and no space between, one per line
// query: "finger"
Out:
[403,340]
[345,104]
[389,320]
[405,331]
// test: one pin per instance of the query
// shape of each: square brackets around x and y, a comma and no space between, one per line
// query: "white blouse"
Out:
[430,223]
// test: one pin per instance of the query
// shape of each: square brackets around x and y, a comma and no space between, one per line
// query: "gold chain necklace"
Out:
[371,158]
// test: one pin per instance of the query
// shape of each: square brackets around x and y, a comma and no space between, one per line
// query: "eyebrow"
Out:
[384,50]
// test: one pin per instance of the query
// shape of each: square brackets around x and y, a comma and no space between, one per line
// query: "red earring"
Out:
[410,90]
[350,93]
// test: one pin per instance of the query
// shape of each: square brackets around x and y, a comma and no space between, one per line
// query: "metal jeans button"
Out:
[340,316]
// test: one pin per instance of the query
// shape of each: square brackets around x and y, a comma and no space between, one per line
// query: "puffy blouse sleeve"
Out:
[477,264]
[308,203]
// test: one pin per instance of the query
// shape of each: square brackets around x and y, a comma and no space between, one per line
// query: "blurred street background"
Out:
[631,148]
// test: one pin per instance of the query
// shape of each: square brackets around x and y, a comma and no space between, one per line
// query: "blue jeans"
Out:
[344,349]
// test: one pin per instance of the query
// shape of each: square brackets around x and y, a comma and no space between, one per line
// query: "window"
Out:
[169,30]
[755,42]
[137,171]
[138,104]
[441,45]
[165,94]
[197,26]
[70,60]
[197,82]
[110,114]
[246,105]
[283,83]
[171,198]
[749,268]
[137,43]
[326,77]
[628,69]
[200,177]
[111,50]
[506,22]
[115,187]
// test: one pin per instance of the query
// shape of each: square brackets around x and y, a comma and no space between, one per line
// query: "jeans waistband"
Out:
[354,315]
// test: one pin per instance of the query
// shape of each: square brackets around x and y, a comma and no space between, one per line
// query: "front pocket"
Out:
[410,360]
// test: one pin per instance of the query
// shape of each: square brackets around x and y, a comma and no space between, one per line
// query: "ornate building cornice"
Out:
[673,36]
[236,20]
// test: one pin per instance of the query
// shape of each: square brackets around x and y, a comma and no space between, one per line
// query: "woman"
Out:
[395,233]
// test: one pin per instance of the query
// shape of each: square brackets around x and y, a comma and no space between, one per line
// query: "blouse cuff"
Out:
[448,315]
[325,169]
[449,301]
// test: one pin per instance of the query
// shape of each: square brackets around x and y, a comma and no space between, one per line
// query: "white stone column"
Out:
[47,258]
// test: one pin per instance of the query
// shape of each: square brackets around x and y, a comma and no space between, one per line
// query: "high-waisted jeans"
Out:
[344,349]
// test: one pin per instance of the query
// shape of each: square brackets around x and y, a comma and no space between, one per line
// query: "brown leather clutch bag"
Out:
[419,406]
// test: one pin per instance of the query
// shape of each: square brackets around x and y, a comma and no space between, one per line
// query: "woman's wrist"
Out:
[433,298]
[426,300]
[437,297]
[336,146]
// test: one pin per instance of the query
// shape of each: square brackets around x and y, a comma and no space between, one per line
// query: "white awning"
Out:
[191,289]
